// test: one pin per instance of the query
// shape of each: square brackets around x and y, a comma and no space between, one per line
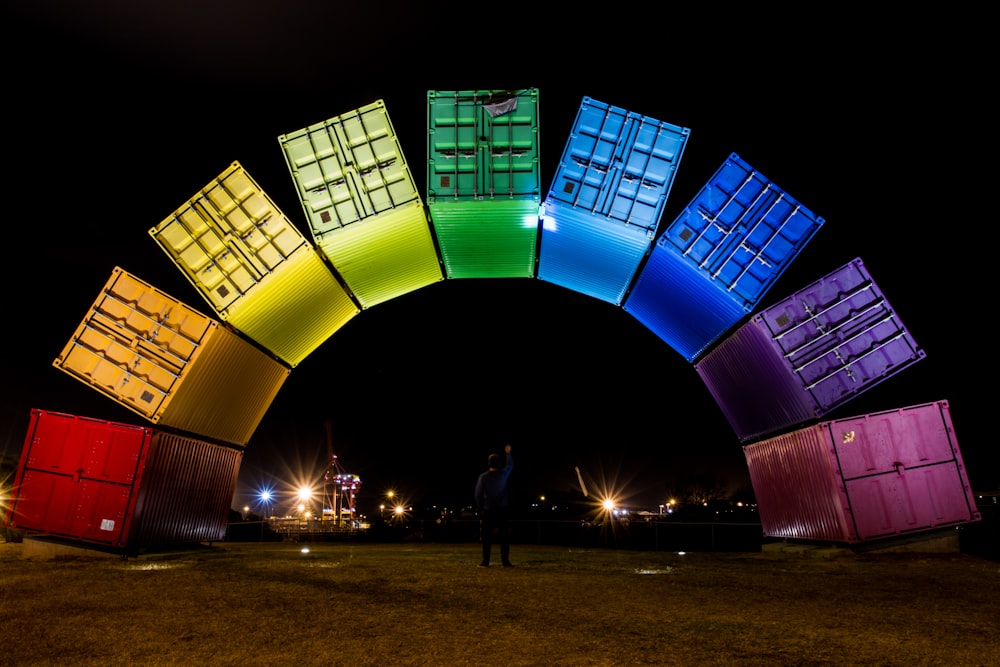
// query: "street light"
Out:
[265,501]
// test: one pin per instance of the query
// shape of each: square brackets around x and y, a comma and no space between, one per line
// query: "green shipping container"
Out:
[483,181]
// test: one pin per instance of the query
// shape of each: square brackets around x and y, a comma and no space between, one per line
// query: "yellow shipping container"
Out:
[171,364]
[254,268]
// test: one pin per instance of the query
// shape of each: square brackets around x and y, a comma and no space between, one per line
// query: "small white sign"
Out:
[107,524]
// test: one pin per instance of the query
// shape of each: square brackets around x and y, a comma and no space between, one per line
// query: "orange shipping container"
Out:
[171,364]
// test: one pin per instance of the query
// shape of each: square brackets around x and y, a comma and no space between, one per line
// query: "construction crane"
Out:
[340,488]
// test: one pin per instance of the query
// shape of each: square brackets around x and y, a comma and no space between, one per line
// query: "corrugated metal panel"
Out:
[177,489]
[171,364]
[797,487]
[385,257]
[487,239]
[677,304]
[237,248]
[299,307]
[186,492]
[607,196]
[482,144]
[362,204]
[587,255]
[741,232]
[808,354]
[863,478]
[752,385]
[226,392]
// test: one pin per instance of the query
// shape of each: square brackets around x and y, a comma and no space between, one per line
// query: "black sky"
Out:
[118,113]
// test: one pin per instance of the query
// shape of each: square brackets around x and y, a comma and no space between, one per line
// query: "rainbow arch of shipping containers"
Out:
[206,384]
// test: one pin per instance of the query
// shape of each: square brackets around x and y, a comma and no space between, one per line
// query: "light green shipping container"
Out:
[363,208]
[254,267]
[484,181]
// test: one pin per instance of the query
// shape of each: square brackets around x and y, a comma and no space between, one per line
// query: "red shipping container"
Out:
[120,486]
[862,478]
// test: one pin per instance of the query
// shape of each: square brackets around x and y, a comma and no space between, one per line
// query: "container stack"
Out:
[205,384]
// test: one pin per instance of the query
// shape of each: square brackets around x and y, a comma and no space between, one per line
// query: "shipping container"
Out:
[484,181]
[364,211]
[600,216]
[859,479]
[120,486]
[807,354]
[719,257]
[254,267]
[170,363]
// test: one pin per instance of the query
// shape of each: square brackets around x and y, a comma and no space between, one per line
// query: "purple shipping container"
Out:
[120,486]
[875,476]
[807,354]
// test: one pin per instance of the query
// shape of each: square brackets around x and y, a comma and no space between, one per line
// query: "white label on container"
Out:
[107,524]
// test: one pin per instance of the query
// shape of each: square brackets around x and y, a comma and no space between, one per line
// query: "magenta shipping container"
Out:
[119,486]
[858,479]
[807,354]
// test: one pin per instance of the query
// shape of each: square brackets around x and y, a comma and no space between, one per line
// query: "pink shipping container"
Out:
[119,486]
[852,480]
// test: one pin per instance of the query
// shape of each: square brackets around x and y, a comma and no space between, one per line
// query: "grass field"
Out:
[250,604]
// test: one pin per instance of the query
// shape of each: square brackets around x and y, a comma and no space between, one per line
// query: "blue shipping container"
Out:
[719,257]
[607,196]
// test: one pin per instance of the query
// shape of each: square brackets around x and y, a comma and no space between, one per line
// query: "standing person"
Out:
[492,501]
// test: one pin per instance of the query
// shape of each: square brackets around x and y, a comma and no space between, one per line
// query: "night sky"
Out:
[117,115]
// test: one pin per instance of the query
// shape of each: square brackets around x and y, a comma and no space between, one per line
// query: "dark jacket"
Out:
[491,487]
